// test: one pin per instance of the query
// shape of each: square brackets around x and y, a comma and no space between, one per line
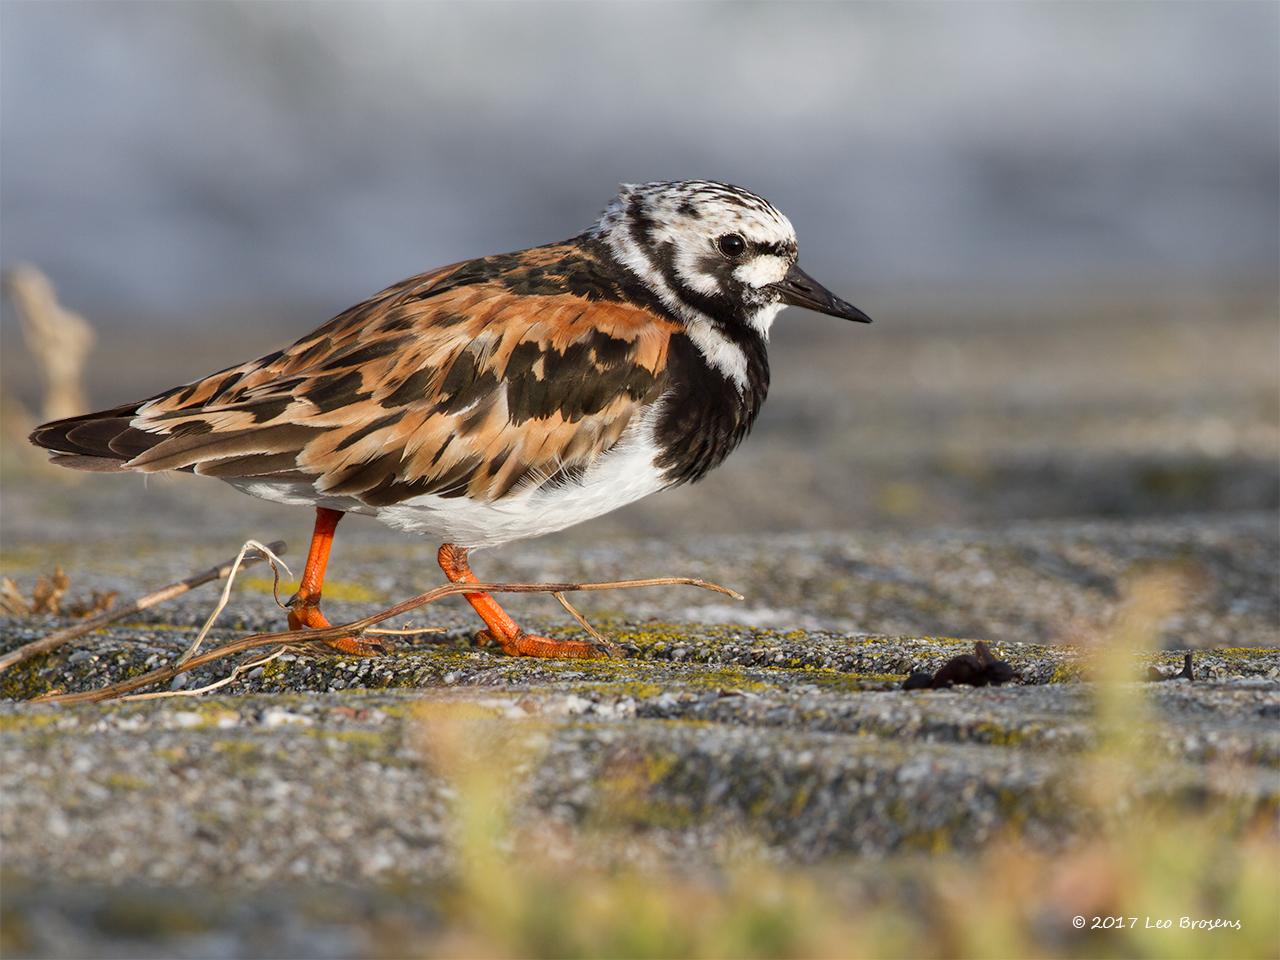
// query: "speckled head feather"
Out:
[699,208]
[713,252]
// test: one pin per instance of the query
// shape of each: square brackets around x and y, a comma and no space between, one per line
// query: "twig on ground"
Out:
[403,631]
[217,684]
[605,644]
[357,627]
[60,637]
[264,553]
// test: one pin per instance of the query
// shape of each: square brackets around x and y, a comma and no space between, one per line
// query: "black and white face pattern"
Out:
[713,253]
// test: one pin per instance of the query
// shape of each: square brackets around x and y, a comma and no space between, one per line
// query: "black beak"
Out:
[798,289]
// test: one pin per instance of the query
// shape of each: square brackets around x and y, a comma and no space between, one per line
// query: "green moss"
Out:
[26,681]
[800,799]
[123,782]
[1246,654]
[843,681]
[21,557]
[358,738]
[136,669]
[236,748]
[633,798]
[991,733]
[636,689]
[274,670]
[657,637]
[26,720]
[720,678]
[241,757]
[656,766]
[934,841]
[883,640]
[646,679]
[1067,671]
[378,746]
[941,641]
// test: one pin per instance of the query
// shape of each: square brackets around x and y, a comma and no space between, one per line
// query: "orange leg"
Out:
[501,628]
[304,608]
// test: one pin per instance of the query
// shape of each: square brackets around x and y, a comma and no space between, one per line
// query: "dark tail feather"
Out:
[92,464]
[100,441]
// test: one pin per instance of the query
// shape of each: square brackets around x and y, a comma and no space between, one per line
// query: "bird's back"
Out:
[480,379]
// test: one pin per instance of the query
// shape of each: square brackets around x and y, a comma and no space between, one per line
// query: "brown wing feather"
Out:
[472,380]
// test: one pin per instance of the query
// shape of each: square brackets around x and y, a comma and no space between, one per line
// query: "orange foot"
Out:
[531,645]
[307,616]
[503,630]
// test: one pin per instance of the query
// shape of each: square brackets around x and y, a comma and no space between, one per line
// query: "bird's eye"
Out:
[731,245]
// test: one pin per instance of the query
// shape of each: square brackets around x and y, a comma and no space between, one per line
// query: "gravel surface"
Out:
[313,823]
[296,813]
[312,768]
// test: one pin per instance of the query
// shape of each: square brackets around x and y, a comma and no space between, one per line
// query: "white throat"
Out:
[762,319]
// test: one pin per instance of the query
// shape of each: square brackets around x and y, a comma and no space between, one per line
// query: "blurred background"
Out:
[1062,216]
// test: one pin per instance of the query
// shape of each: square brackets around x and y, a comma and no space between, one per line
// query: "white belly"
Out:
[624,474]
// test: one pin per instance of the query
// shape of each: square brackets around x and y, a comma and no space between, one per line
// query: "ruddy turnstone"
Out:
[498,398]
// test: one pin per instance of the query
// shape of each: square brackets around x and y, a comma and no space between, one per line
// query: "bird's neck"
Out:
[705,414]
[718,368]
[730,339]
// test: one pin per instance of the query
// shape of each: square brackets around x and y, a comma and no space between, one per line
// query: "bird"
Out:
[498,398]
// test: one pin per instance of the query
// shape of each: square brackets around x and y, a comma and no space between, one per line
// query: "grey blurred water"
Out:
[167,161]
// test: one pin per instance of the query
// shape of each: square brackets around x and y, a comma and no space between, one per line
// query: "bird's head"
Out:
[714,253]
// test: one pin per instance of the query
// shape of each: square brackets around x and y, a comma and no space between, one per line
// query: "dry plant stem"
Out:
[59,340]
[295,637]
[264,553]
[60,637]
[210,687]
[603,642]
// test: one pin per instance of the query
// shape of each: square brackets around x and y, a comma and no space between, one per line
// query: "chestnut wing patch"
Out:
[477,380]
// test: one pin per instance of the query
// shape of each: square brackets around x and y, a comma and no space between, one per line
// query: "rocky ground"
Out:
[314,770]
[298,812]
